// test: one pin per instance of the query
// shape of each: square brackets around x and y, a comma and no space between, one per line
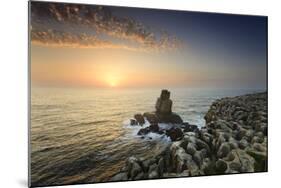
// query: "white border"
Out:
[13,82]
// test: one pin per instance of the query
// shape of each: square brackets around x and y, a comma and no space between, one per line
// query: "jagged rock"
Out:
[210,116]
[120,177]
[144,131]
[249,135]
[259,147]
[133,167]
[259,134]
[206,137]
[241,133]
[139,118]
[221,166]
[193,169]
[147,163]
[234,140]
[153,171]
[181,159]
[163,112]
[202,145]
[164,103]
[171,175]
[223,150]
[233,143]
[154,127]
[151,117]
[170,118]
[161,167]
[260,159]
[197,157]
[257,139]
[133,122]
[189,128]
[243,144]
[245,160]
[174,133]
[140,176]
[191,148]
[207,167]
[264,129]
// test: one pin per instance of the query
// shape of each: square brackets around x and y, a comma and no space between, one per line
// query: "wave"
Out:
[93,122]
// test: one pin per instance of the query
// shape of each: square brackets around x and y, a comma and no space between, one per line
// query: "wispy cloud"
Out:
[53,38]
[50,20]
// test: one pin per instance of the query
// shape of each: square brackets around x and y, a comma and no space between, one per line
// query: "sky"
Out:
[74,45]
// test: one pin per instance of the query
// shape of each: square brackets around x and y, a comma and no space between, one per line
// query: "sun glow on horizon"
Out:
[112,80]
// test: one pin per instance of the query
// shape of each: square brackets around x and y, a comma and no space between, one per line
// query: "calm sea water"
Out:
[82,135]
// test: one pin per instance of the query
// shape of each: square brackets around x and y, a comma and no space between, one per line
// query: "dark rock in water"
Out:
[139,118]
[189,128]
[163,112]
[164,103]
[154,127]
[170,118]
[151,117]
[133,122]
[144,131]
[174,133]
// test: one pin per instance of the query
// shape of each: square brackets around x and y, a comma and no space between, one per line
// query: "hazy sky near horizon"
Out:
[95,46]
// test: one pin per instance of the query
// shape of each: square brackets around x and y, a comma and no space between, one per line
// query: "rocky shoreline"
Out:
[234,140]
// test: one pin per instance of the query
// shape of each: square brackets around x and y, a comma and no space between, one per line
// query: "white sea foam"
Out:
[133,131]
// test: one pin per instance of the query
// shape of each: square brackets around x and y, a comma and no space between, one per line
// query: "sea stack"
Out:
[163,111]
[164,103]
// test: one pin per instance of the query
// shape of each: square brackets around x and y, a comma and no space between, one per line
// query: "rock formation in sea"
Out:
[234,140]
[162,114]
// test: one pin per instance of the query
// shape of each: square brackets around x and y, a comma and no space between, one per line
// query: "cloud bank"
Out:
[59,25]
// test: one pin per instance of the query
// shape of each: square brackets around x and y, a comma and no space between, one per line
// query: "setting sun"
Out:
[113,84]
[112,80]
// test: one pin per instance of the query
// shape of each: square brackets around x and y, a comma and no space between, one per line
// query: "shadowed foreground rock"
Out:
[234,140]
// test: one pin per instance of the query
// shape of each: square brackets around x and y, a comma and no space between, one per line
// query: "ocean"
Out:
[84,136]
